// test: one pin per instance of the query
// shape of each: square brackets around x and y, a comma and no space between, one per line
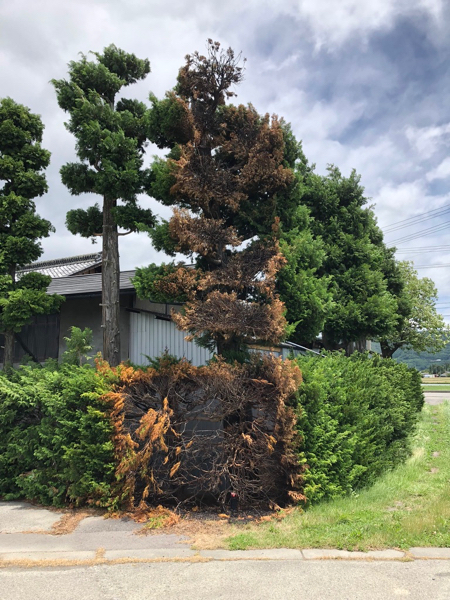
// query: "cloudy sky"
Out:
[365,85]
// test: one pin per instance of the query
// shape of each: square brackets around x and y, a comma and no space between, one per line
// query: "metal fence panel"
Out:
[150,336]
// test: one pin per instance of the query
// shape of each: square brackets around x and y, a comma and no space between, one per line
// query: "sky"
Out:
[365,86]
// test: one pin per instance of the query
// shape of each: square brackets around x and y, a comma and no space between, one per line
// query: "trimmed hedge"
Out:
[355,417]
[55,438]
[58,433]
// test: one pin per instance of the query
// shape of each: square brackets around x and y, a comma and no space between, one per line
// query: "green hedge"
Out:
[355,417]
[55,439]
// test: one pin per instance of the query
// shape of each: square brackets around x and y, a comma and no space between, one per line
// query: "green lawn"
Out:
[407,507]
[436,388]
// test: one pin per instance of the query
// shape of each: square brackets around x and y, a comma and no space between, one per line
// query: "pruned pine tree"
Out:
[222,175]
[110,142]
[22,179]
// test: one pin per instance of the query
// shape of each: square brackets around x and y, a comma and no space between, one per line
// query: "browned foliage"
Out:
[201,234]
[233,156]
[186,433]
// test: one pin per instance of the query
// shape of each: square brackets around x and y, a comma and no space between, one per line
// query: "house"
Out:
[40,339]
[147,329]
[65,267]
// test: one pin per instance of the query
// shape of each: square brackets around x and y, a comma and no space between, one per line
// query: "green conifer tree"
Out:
[110,145]
[22,178]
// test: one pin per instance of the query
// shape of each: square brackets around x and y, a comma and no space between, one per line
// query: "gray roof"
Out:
[63,267]
[87,284]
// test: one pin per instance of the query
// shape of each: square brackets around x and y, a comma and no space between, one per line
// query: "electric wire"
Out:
[431,214]
[432,266]
[423,250]
[421,233]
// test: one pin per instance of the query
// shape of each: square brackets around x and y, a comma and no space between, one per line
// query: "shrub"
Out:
[183,433]
[73,434]
[55,436]
[78,345]
[355,416]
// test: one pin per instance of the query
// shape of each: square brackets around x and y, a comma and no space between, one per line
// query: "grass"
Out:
[407,507]
[435,388]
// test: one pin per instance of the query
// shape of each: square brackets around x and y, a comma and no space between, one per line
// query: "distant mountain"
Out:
[422,360]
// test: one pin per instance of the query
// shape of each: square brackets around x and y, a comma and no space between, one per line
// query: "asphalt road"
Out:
[436,397]
[249,580]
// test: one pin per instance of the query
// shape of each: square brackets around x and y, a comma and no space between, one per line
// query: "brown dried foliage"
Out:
[186,433]
[223,168]
[238,301]
[199,234]
[225,317]
[234,156]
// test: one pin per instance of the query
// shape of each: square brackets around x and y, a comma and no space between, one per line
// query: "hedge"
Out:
[355,417]
[55,436]
[60,426]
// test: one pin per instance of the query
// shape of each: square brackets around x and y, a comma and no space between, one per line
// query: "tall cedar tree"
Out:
[22,162]
[365,281]
[222,175]
[110,145]
[306,294]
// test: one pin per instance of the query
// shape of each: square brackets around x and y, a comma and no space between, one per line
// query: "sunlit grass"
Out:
[409,506]
[434,388]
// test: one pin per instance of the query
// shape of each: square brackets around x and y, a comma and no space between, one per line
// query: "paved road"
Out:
[104,560]
[249,580]
[436,397]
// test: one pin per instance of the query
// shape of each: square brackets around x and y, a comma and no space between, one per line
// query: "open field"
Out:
[407,507]
[436,380]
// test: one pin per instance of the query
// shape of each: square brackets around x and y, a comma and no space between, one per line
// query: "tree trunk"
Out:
[8,354]
[355,346]
[110,286]
[387,350]
[328,344]
[225,346]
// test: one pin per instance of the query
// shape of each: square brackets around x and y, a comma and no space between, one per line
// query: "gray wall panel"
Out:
[150,336]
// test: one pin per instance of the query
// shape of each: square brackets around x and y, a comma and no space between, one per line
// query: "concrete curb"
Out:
[100,556]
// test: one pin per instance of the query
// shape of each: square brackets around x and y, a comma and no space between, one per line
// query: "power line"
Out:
[431,214]
[422,233]
[431,266]
[424,250]
[426,247]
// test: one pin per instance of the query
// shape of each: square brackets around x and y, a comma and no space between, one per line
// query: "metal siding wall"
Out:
[150,336]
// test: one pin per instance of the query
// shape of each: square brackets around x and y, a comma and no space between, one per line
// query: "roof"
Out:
[63,267]
[87,284]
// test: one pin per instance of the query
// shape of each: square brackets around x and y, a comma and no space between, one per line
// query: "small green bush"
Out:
[79,344]
[355,416]
[55,435]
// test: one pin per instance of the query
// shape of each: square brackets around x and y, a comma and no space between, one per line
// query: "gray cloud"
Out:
[365,86]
